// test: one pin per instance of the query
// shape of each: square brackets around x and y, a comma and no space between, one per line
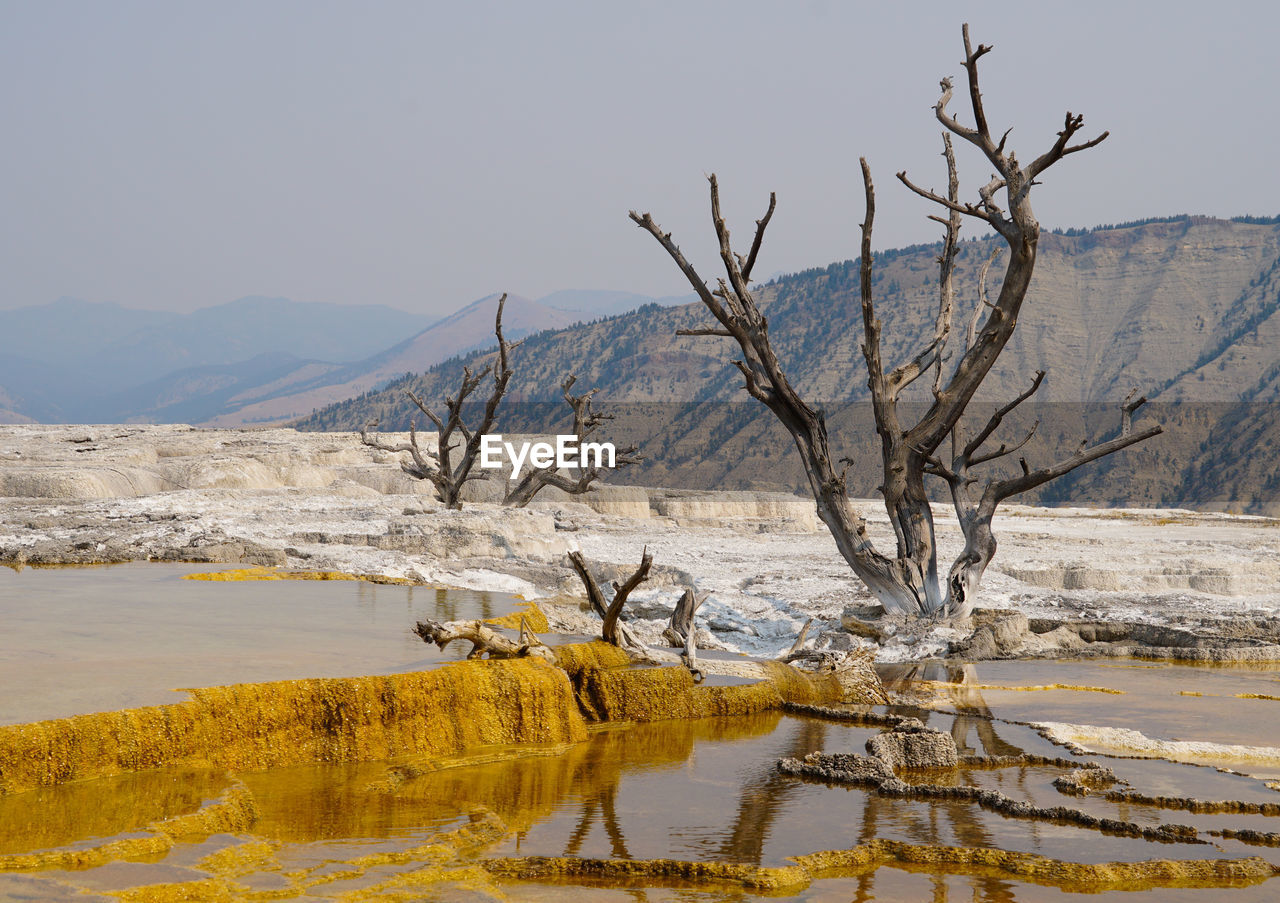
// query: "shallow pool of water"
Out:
[92,639]
[702,791]
[1222,704]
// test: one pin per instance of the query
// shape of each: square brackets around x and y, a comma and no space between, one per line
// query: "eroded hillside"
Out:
[1183,309]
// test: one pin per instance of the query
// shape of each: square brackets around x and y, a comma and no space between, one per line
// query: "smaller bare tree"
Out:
[585,423]
[619,634]
[447,475]
[613,631]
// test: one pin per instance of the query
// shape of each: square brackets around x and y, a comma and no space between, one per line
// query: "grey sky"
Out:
[178,155]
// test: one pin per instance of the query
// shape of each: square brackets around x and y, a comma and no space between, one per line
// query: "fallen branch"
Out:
[484,639]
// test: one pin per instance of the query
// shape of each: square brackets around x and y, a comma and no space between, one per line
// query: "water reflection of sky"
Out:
[76,640]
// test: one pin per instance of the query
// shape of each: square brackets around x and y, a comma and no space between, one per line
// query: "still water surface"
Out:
[708,791]
[92,639]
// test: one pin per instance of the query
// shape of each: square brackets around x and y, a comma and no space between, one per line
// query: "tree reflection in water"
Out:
[600,803]
[972,721]
[765,804]
[764,792]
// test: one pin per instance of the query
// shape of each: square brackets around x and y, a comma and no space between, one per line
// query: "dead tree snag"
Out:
[613,630]
[446,474]
[908,580]
[585,422]
[681,626]
[617,633]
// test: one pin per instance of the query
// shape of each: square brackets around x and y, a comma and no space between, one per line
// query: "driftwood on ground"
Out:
[484,639]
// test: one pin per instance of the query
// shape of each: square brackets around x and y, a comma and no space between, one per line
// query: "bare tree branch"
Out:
[761,224]
[870,323]
[620,593]
[1070,126]
[1004,450]
[1127,408]
[997,222]
[594,596]
[803,635]
[946,264]
[983,302]
[1031,479]
[585,422]
[971,58]
[707,331]
[439,467]
[994,422]
[664,238]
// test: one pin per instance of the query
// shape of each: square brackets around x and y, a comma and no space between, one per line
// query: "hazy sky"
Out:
[177,155]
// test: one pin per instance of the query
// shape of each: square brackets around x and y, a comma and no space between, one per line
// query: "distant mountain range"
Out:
[255,360]
[1187,309]
[460,332]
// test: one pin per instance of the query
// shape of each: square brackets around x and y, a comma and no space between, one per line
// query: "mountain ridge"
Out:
[73,360]
[1187,309]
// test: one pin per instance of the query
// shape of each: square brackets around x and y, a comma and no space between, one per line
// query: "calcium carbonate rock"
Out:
[619,501]
[79,483]
[691,506]
[912,745]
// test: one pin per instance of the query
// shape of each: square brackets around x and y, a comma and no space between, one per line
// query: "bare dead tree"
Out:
[683,632]
[585,422]
[447,475]
[613,630]
[908,581]
[677,632]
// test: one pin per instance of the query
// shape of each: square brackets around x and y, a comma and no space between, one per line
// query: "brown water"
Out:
[92,639]
[703,791]
[1156,696]
[1222,704]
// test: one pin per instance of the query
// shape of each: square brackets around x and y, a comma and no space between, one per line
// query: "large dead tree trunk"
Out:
[908,581]
[585,422]
[446,474]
